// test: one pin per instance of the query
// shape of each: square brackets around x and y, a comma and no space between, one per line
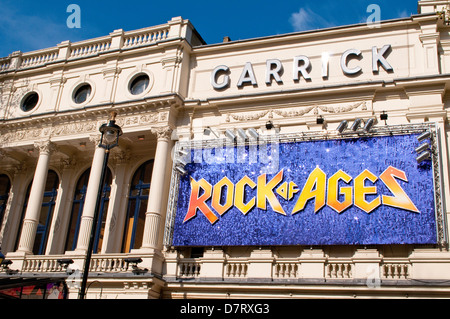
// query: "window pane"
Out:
[139,234]
[5,185]
[77,210]
[137,207]
[82,94]
[52,181]
[129,225]
[139,84]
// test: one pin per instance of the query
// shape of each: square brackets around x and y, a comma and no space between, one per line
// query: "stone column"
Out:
[91,195]
[154,216]
[112,238]
[33,211]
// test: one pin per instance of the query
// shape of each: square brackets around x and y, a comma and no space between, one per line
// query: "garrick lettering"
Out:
[301,67]
[325,191]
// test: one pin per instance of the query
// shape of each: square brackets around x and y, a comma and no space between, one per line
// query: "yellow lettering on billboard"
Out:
[334,192]
[196,202]
[217,194]
[265,192]
[240,193]
[400,199]
[361,191]
[316,179]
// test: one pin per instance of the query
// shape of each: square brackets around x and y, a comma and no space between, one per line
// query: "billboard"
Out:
[362,190]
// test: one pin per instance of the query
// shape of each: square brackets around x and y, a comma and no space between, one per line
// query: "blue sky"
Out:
[27,25]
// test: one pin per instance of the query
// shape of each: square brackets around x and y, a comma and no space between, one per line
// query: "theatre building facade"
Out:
[309,164]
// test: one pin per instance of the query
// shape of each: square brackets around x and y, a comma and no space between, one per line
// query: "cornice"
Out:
[326,32]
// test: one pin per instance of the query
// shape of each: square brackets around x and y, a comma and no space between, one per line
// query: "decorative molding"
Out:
[120,156]
[296,112]
[29,132]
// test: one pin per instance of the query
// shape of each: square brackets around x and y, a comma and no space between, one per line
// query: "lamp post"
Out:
[109,139]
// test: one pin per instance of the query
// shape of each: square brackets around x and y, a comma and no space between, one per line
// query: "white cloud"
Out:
[404,14]
[306,19]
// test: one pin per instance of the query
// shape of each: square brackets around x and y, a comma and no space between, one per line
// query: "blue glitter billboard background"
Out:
[384,225]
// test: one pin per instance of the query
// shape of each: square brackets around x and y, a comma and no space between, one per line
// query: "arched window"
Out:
[77,211]
[45,217]
[137,207]
[5,186]
[100,230]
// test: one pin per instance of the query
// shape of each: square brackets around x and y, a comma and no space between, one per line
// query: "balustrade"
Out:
[395,270]
[285,270]
[92,47]
[189,268]
[236,269]
[339,270]
[40,58]
[89,49]
[145,37]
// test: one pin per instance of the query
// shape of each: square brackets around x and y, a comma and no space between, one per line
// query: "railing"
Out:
[395,270]
[286,269]
[236,269]
[108,264]
[116,40]
[189,268]
[87,49]
[34,59]
[99,263]
[4,64]
[145,36]
[42,264]
[341,270]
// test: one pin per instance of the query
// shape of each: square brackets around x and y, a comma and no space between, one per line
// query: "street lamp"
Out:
[110,139]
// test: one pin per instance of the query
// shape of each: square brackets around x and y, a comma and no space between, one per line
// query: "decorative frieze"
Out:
[31,132]
[301,111]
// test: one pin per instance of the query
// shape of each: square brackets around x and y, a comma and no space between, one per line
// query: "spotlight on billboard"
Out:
[230,135]
[208,130]
[252,132]
[424,156]
[356,124]
[342,126]
[425,135]
[241,134]
[369,124]
[181,170]
[424,147]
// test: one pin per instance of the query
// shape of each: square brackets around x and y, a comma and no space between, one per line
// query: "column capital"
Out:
[162,133]
[45,147]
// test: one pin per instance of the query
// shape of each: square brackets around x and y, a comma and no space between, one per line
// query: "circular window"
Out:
[139,84]
[82,93]
[29,102]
